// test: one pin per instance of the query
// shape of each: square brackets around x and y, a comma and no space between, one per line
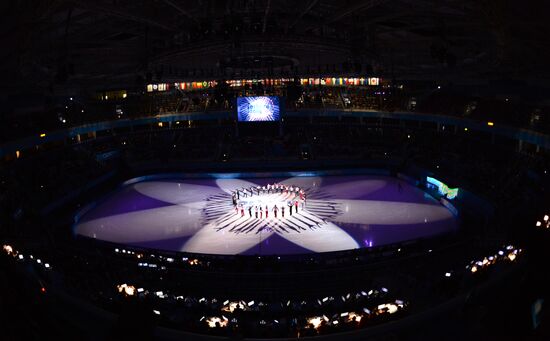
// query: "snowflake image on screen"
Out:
[251,109]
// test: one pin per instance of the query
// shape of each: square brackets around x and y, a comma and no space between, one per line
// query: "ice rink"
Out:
[198,215]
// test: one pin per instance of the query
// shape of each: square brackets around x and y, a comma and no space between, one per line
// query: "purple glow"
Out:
[342,212]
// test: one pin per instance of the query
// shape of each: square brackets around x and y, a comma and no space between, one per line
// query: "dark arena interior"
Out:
[274,170]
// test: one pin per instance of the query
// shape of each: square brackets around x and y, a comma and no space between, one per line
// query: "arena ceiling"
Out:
[114,42]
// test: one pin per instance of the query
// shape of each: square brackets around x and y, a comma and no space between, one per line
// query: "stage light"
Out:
[315,321]
[156,312]
[465,129]
[545,217]
[473,269]
[367,311]
[344,314]
[490,124]
[128,290]
[43,135]
[8,249]
[71,98]
[21,257]
[538,223]
[213,320]
[391,308]
[447,274]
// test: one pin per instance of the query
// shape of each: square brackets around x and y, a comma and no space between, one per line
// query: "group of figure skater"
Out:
[296,197]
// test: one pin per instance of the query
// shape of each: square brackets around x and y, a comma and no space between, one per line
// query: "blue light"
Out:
[443,189]
[250,109]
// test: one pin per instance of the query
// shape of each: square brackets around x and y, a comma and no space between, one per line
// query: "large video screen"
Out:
[257,109]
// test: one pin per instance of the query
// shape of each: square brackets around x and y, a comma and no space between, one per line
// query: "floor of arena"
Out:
[200,216]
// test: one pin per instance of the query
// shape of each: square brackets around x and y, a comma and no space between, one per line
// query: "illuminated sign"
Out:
[444,190]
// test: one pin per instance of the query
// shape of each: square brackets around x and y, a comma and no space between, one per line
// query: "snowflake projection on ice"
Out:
[204,216]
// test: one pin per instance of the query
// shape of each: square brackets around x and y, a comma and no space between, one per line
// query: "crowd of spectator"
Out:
[156,283]
[76,111]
